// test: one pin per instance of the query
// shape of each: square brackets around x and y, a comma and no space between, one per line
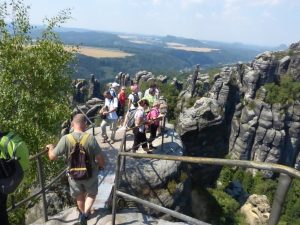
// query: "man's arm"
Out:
[51,154]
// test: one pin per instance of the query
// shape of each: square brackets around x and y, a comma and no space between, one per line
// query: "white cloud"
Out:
[267,2]
[230,7]
[186,3]
[199,16]
[268,16]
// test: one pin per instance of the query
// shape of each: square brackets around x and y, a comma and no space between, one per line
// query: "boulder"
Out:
[205,112]
[256,209]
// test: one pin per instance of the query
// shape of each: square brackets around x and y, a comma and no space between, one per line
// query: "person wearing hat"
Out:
[153,117]
[110,110]
[113,89]
[86,190]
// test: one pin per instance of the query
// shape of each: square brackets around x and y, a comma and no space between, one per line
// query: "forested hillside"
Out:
[154,53]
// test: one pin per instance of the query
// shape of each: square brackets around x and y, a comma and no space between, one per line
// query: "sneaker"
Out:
[112,142]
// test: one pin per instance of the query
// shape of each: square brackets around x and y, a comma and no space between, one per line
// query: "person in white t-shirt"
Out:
[109,109]
[133,98]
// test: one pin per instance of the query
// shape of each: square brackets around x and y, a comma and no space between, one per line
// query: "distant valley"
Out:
[105,54]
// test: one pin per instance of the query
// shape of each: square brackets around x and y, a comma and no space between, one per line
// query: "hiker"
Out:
[114,89]
[152,86]
[110,106]
[121,106]
[14,161]
[134,97]
[151,97]
[153,117]
[139,130]
[83,190]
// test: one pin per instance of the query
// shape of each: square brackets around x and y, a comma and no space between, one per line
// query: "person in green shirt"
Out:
[14,160]
[151,97]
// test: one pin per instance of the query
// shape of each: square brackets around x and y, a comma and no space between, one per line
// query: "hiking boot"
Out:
[105,140]
[151,147]
[82,219]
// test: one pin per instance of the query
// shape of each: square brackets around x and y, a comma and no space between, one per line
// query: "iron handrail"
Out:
[220,162]
[43,187]
[282,188]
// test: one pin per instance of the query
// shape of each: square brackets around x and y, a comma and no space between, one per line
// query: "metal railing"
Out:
[43,188]
[285,178]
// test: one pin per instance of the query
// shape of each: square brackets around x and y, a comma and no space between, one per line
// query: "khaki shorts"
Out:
[89,186]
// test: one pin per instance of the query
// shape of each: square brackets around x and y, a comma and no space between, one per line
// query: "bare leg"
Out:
[80,199]
[89,201]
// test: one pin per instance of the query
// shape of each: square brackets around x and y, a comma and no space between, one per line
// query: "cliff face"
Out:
[235,116]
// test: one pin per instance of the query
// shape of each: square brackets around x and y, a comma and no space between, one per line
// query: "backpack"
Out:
[149,115]
[130,118]
[14,160]
[136,98]
[113,93]
[79,162]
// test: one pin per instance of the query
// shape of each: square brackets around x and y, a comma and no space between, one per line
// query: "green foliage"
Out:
[291,213]
[34,77]
[34,85]
[170,93]
[251,105]
[230,207]
[285,93]
[226,176]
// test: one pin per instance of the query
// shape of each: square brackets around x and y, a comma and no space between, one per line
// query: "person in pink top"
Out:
[153,117]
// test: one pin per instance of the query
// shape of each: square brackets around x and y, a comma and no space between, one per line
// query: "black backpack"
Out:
[136,98]
[11,171]
[79,162]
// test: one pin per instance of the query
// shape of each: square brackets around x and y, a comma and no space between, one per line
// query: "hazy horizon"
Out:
[251,22]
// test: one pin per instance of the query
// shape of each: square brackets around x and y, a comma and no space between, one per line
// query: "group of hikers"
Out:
[85,157]
[143,111]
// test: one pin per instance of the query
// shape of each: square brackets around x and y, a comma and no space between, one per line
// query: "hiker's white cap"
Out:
[114,84]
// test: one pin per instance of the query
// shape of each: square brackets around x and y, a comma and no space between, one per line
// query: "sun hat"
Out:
[114,84]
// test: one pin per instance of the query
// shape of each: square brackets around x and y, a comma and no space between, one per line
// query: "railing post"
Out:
[114,207]
[41,181]
[163,133]
[283,186]
[124,149]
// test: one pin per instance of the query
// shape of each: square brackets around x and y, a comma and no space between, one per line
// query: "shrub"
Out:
[285,93]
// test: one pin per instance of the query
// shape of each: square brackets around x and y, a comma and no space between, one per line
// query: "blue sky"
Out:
[262,22]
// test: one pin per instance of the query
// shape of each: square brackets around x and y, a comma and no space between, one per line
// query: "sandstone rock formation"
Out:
[159,181]
[254,128]
[256,210]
